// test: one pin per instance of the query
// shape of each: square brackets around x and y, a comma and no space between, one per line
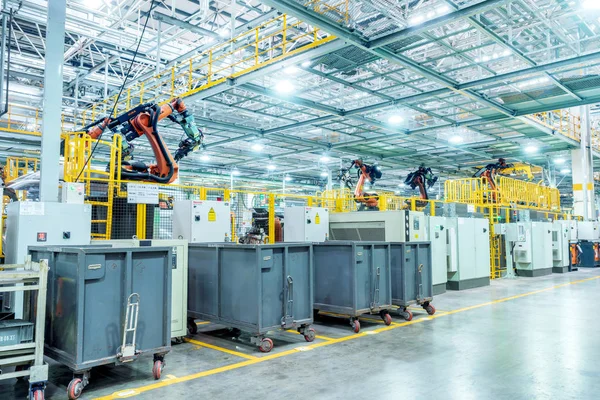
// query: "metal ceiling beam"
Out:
[437,22]
[185,25]
[302,13]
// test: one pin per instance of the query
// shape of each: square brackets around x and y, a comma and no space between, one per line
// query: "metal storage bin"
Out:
[15,331]
[255,288]
[106,305]
[412,277]
[353,278]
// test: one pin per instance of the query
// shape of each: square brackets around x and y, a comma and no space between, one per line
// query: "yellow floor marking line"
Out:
[221,349]
[256,360]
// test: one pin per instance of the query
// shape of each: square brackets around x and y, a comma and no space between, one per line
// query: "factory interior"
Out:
[395,193]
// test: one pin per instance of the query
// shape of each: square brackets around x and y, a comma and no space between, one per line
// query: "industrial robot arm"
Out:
[424,179]
[366,173]
[143,120]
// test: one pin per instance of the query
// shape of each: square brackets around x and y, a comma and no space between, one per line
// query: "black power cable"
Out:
[152,5]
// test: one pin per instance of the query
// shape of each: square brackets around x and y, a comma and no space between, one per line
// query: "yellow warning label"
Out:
[317,219]
[212,215]
[417,236]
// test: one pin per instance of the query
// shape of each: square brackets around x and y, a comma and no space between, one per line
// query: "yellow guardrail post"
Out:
[432,208]
[271,218]
[140,230]
[413,204]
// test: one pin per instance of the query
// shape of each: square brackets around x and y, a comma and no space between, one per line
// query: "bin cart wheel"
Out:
[37,394]
[157,369]
[266,345]
[75,389]
[387,318]
[355,324]
[192,328]
[309,334]
[405,313]
[429,308]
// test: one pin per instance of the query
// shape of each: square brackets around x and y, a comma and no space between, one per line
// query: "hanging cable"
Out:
[152,5]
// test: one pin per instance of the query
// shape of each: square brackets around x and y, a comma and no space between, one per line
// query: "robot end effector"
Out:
[194,135]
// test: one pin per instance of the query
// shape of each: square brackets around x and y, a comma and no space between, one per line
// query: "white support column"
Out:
[329,180]
[584,202]
[53,92]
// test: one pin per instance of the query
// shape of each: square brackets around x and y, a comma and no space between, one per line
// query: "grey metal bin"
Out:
[254,288]
[353,278]
[106,305]
[412,277]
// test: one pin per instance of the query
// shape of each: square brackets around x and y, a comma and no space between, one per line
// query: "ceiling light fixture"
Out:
[291,70]
[271,167]
[306,63]
[204,157]
[443,9]
[531,149]
[284,86]
[324,159]
[591,5]
[235,172]
[456,139]
[257,147]
[395,119]
[288,178]
[224,32]
[324,174]
[565,171]
[94,4]
[416,20]
[559,161]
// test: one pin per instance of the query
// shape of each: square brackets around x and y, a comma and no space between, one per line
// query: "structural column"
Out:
[53,91]
[584,203]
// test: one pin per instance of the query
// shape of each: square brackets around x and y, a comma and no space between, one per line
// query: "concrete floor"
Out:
[530,338]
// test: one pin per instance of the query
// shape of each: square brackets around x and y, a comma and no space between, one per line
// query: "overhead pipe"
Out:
[7,58]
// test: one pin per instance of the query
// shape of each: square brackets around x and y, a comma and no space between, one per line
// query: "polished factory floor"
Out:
[530,338]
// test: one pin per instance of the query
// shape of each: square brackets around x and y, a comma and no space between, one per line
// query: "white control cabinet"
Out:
[588,230]
[179,290]
[200,221]
[41,224]
[561,233]
[73,192]
[437,234]
[305,224]
[468,253]
[529,248]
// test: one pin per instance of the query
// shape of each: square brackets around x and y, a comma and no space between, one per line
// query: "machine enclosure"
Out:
[468,253]
[352,278]
[305,224]
[437,235]
[72,192]
[528,247]
[411,273]
[42,223]
[588,230]
[249,287]
[179,279]
[88,290]
[199,221]
[385,226]
[561,231]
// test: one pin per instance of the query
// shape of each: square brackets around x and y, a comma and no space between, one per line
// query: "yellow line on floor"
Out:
[221,349]
[256,360]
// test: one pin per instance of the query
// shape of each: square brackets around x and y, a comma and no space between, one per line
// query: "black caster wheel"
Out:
[192,328]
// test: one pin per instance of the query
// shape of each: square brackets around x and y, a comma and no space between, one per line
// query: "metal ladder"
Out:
[128,351]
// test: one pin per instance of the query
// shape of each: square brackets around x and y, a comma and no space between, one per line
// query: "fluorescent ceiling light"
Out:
[284,86]
[443,9]
[306,63]
[416,20]
[565,171]
[401,185]
[94,4]
[506,53]
[431,14]
[559,161]
[257,147]
[288,178]
[235,172]
[324,174]
[591,5]
[325,159]
[531,149]
[456,139]
[486,58]
[223,32]
[204,157]
[291,70]
[395,119]
[271,167]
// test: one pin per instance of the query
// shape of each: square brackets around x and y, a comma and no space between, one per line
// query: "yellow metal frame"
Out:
[19,166]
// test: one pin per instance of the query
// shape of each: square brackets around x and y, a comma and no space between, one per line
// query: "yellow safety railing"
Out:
[19,166]
[266,44]
[561,121]
[28,120]
[338,11]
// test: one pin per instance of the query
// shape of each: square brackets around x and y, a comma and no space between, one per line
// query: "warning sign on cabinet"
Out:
[212,215]
[317,219]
